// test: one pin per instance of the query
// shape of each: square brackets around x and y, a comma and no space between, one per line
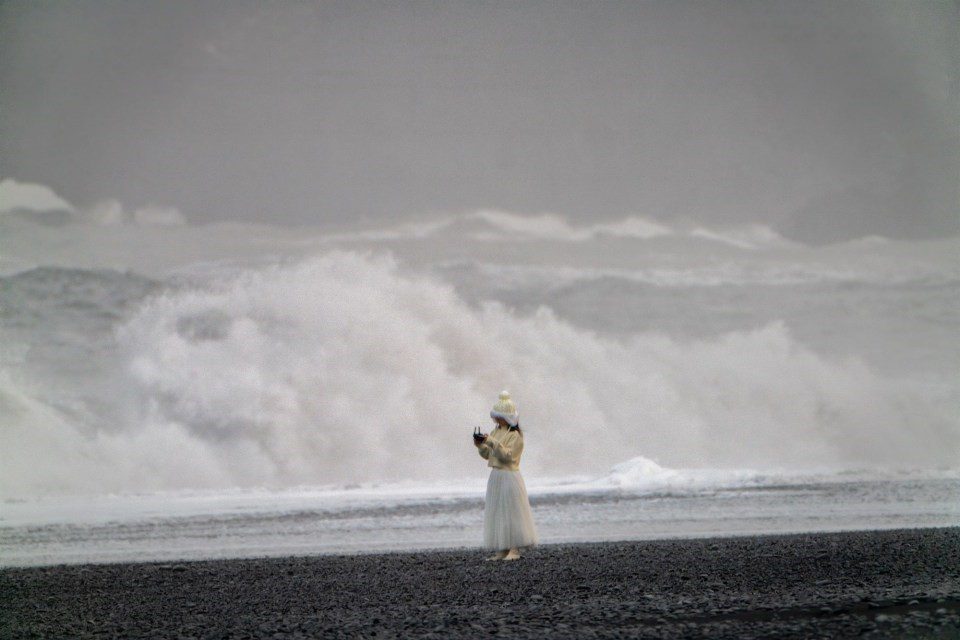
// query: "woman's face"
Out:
[501,422]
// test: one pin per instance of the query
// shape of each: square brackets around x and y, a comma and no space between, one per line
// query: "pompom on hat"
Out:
[506,409]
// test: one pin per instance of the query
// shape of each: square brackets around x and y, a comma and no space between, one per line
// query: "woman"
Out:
[507,520]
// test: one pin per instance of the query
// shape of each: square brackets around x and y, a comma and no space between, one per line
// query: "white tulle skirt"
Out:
[507,519]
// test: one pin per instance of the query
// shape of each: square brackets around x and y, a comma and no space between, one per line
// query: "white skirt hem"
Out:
[507,518]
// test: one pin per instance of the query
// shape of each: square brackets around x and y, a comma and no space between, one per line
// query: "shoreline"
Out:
[214,526]
[891,583]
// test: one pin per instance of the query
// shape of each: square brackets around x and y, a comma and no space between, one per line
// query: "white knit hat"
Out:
[506,409]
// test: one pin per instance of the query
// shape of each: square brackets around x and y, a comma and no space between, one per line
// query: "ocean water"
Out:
[637,500]
[200,391]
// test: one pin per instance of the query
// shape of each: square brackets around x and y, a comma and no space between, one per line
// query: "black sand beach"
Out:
[891,584]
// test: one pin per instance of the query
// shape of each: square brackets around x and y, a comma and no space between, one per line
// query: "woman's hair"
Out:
[511,427]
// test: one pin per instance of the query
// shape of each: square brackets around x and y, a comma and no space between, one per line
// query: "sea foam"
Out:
[347,367]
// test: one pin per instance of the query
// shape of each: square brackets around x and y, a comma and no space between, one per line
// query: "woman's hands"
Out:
[479,438]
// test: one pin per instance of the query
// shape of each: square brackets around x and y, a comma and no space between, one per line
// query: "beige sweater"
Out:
[502,448]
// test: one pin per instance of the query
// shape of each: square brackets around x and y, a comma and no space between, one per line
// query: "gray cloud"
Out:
[827,120]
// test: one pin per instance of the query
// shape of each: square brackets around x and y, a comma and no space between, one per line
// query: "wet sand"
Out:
[889,584]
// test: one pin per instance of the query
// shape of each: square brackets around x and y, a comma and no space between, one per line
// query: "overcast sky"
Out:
[824,119]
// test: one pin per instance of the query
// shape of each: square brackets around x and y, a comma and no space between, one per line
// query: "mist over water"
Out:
[309,357]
